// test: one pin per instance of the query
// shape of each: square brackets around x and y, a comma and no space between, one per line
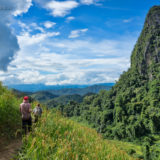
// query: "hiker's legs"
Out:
[24,126]
[30,124]
[36,119]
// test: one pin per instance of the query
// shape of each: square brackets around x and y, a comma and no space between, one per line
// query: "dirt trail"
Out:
[9,149]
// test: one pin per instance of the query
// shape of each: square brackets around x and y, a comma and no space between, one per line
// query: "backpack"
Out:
[38,111]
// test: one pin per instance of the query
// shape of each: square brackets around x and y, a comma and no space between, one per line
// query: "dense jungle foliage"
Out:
[131,109]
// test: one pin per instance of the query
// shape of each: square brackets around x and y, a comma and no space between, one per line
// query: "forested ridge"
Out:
[131,109]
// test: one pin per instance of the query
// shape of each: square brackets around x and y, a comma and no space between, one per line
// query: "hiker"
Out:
[37,112]
[25,109]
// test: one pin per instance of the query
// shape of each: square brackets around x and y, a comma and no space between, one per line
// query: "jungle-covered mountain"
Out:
[20,94]
[63,96]
[43,96]
[81,91]
[52,98]
[131,109]
[63,100]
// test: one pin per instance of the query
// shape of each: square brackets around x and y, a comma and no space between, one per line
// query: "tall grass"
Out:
[9,113]
[57,138]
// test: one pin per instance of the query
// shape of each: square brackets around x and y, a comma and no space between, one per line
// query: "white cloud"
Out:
[35,26]
[29,27]
[127,20]
[89,2]
[42,60]
[76,33]
[52,68]
[49,24]
[30,76]
[61,8]
[22,6]
[24,27]
[68,19]
[15,7]
[9,45]
[28,39]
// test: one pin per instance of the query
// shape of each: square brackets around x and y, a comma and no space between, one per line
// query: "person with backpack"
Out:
[25,109]
[37,112]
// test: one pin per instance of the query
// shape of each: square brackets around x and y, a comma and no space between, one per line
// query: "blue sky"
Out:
[68,42]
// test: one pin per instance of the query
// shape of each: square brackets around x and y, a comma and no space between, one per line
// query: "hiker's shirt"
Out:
[37,111]
[25,110]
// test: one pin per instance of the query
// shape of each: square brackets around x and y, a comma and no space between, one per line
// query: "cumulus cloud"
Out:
[15,7]
[68,19]
[9,45]
[21,6]
[49,24]
[61,8]
[89,2]
[66,61]
[76,33]
[127,20]
[58,69]
[27,39]
[34,26]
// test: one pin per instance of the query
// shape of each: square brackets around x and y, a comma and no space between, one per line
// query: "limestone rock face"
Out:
[146,54]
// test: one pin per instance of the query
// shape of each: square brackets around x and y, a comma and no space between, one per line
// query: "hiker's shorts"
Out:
[26,124]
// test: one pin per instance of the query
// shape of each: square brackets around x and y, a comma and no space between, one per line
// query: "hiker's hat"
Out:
[26,98]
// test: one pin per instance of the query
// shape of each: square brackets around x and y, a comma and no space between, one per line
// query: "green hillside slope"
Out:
[55,137]
[58,138]
[9,113]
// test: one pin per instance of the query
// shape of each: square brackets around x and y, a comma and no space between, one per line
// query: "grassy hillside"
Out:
[10,119]
[55,137]
[58,138]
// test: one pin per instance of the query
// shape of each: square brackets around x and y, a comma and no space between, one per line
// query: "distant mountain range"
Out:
[42,87]
[80,91]
[59,94]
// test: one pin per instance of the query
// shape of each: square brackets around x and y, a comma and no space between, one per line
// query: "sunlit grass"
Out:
[10,120]
[57,138]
